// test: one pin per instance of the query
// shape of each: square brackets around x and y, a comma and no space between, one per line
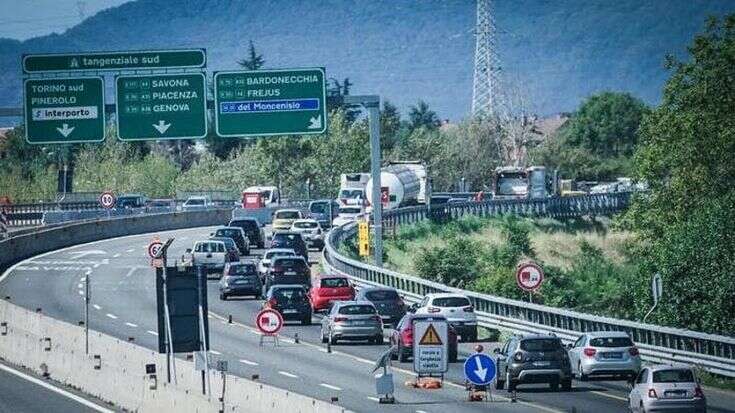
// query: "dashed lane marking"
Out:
[112,316]
[215,352]
[117,255]
[96,307]
[612,396]
[375,399]
[130,250]
[152,333]
[329,386]
[248,362]
[131,325]
[287,374]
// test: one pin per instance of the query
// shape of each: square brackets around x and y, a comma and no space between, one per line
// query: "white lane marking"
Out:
[131,325]
[83,279]
[375,399]
[248,362]
[96,307]
[612,396]
[130,250]
[152,332]
[329,386]
[80,285]
[287,374]
[117,255]
[81,292]
[215,352]
[112,316]
[421,411]
[55,389]
[131,271]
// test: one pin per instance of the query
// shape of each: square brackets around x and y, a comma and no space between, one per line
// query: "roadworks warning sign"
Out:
[431,351]
[430,337]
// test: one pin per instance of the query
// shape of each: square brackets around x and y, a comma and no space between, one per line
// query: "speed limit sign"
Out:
[107,200]
[154,249]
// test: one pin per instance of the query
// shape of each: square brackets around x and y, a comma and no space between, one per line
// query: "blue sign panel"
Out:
[269,106]
[479,369]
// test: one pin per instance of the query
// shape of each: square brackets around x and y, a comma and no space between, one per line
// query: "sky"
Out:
[23,19]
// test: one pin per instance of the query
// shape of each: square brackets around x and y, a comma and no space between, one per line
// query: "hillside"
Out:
[557,52]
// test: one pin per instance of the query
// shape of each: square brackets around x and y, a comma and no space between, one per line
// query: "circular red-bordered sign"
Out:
[154,248]
[107,200]
[529,276]
[269,321]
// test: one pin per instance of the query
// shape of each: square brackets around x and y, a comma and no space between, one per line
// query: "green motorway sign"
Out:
[64,110]
[145,59]
[171,106]
[270,102]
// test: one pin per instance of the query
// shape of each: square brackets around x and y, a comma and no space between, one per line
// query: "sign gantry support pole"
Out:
[372,104]
[170,360]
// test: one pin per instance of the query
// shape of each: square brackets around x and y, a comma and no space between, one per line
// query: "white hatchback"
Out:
[456,308]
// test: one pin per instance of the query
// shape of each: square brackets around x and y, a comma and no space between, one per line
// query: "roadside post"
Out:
[430,347]
[170,361]
[529,277]
[201,281]
[87,298]
[479,371]
[269,322]
[657,289]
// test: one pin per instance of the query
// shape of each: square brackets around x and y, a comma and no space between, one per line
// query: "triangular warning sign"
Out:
[431,337]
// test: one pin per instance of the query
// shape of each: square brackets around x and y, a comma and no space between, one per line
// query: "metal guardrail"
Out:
[714,353]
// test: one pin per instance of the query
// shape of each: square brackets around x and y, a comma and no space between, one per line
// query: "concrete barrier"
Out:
[26,245]
[46,345]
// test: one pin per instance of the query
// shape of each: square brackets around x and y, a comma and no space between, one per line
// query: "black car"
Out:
[288,270]
[533,358]
[292,240]
[237,235]
[252,229]
[389,304]
[233,253]
[240,279]
[291,301]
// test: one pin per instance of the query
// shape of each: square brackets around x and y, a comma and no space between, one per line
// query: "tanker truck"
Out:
[405,183]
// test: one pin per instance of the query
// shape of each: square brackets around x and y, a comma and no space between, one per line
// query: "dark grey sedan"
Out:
[389,304]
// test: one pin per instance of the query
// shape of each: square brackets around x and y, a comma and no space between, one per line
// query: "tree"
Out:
[687,156]
[254,61]
[390,124]
[336,92]
[599,140]
[421,116]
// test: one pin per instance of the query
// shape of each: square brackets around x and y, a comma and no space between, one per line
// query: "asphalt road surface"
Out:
[123,304]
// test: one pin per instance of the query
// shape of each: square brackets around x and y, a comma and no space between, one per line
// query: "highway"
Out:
[123,304]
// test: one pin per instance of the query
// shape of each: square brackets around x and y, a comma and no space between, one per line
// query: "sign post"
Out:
[68,110]
[430,346]
[270,102]
[171,106]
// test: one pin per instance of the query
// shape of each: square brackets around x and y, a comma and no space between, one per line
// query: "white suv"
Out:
[456,308]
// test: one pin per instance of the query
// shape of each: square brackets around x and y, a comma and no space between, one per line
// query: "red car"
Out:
[401,339]
[330,288]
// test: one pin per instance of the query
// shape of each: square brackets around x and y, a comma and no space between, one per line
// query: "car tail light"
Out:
[407,336]
[271,303]
[434,310]
[633,351]
[378,319]
[340,319]
[518,357]
[652,393]
[469,310]
[698,393]
[590,352]
[277,269]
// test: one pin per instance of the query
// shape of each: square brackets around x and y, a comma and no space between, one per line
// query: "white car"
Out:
[456,308]
[347,214]
[196,203]
[311,231]
[211,255]
[268,256]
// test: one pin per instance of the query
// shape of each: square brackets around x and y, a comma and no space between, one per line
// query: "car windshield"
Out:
[290,262]
[160,203]
[242,269]
[266,194]
[229,243]
[285,237]
[210,247]
[451,302]
[611,342]
[319,208]
[673,376]
[334,282]
[351,193]
[271,254]
[194,201]
[230,233]
[247,225]
[289,294]
[382,295]
[541,344]
[305,225]
[357,309]
[287,215]
[350,210]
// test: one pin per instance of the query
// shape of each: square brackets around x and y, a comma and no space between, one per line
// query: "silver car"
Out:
[352,320]
[604,353]
[667,388]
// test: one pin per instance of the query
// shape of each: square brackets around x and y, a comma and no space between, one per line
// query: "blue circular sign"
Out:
[479,369]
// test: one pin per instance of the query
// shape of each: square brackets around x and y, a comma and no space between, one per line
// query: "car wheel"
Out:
[332,339]
[554,385]
[378,339]
[307,320]
[471,337]
[499,384]
[394,352]
[582,376]
[325,339]
[261,245]
[511,383]
[566,385]
[223,297]
[402,356]
[452,356]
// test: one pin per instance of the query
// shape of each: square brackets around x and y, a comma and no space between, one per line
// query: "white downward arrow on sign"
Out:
[161,126]
[65,130]
[480,371]
[315,123]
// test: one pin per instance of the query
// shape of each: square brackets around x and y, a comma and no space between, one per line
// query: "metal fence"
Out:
[715,353]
